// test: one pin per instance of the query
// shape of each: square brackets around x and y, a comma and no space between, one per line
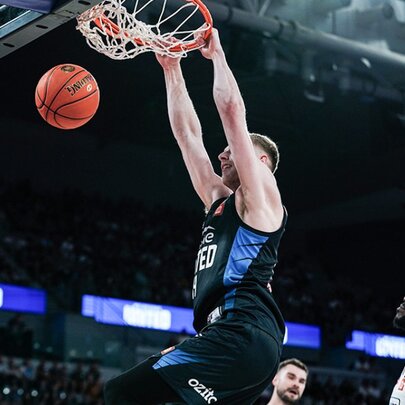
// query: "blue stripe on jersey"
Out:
[230,302]
[175,357]
[245,248]
[230,299]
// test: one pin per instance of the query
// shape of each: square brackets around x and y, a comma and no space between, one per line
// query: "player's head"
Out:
[266,150]
[399,320]
[268,147]
[290,381]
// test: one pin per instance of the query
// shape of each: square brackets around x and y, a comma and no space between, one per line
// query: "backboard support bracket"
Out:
[30,25]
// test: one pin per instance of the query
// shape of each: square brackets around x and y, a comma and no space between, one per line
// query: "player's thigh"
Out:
[228,364]
[139,385]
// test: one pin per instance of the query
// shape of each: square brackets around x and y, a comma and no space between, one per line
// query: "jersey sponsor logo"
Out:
[219,210]
[206,229]
[208,394]
[205,256]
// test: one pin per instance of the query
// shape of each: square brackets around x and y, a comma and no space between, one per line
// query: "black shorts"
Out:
[228,363]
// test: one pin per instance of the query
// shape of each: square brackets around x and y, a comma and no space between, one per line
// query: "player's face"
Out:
[229,174]
[289,383]
[399,320]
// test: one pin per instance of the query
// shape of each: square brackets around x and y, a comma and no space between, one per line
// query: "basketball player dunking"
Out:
[240,329]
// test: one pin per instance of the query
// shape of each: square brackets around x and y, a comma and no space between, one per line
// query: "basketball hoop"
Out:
[112,29]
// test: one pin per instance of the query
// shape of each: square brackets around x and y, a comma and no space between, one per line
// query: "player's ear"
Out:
[264,158]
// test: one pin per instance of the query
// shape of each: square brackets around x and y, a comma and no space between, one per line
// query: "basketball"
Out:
[67,96]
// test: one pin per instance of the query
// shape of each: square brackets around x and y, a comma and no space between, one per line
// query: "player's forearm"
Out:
[227,96]
[182,116]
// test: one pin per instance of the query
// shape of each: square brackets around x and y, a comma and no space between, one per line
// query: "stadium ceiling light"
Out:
[312,77]
[366,62]
[344,77]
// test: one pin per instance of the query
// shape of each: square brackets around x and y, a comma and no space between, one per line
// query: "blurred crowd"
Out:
[335,302]
[340,391]
[44,383]
[345,392]
[124,249]
[16,338]
[39,382]
[61,240]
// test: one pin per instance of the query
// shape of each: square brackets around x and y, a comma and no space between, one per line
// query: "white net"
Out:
[117,28]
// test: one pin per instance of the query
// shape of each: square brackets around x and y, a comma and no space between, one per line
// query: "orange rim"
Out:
[113,29]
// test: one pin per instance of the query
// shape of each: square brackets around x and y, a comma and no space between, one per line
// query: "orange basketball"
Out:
[67,96]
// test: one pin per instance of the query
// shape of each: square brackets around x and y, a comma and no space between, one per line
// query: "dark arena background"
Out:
[99,226]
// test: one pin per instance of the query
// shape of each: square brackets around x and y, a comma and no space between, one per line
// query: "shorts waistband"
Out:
[215,315]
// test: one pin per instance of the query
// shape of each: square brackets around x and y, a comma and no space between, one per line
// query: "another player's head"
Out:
[266,150]
[399,320]
[289,382]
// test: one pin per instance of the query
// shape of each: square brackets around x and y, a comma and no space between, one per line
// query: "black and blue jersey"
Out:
[233,267]
[235,355]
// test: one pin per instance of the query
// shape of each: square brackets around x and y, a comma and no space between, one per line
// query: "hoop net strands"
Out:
[113,30]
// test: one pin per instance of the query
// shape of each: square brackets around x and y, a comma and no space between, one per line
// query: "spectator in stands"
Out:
[51,385]
[362,364]
[399,319]
[18,337]
[289,382]
[28,370]
[398,393]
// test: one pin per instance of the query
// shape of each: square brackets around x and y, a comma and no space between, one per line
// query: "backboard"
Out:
[22,21]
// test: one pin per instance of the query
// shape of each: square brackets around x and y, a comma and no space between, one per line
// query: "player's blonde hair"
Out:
[269,147]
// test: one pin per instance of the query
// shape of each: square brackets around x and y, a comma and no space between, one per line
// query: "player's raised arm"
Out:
[187,130]
[258,188]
